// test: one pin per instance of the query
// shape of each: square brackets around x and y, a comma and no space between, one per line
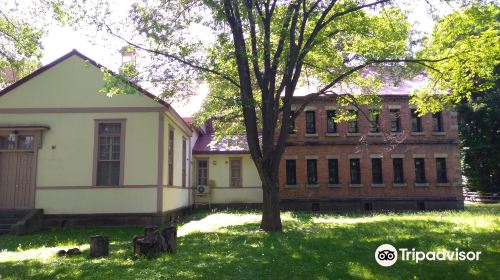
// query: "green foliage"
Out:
[479,127]
[228,245]
[468,42]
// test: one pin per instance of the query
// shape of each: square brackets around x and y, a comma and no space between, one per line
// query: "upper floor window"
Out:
[352,125]
[312,172]
[109,153]
[441,170]
[397,165]
[374,121]
[291,127]
[377,170]
[331,126]
[395,120]
[437,122]
[416,121]
[291,172]
[333,171]
[310,122]
[419,170]
[355,171]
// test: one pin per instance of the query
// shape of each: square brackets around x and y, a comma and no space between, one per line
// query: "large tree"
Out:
[21,31]
[471,75]
[260,52]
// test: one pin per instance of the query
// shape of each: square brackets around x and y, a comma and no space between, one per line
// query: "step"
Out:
[9,220]
[4,231]
[5,226]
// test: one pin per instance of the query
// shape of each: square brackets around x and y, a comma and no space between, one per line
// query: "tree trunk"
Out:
[271,220]
[99,246]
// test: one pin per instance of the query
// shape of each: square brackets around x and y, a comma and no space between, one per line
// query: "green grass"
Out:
[313,246]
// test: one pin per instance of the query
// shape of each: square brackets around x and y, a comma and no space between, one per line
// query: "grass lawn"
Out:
[313,246]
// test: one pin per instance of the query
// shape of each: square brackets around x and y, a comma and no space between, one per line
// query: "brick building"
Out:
[406,162]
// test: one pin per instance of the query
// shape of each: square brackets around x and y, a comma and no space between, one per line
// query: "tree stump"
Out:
[169,233]
[150,244]
[99,246]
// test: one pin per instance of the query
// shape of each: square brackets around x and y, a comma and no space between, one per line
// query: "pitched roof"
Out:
[231,144]
[98,65]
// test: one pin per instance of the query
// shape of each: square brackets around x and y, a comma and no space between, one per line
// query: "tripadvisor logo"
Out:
[387,255]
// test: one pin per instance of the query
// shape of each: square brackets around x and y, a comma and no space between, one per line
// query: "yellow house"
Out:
[82,156]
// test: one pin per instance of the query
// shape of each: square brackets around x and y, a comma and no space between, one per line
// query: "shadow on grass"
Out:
[306,250]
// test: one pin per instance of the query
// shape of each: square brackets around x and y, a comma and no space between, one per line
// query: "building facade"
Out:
[391,159]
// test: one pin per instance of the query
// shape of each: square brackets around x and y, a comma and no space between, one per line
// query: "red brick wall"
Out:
[364,145]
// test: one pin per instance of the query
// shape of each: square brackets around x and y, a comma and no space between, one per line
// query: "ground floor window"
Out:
[419,170]
[397,165]
[291,172]
[333,171]
[355,171]
[235,172]
[377,170]
[203,172]
[441,170]
[109,153]
[312,172]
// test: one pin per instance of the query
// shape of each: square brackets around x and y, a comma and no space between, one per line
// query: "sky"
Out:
[61,40]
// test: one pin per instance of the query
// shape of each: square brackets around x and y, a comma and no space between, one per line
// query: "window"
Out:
[291,127]
[374,121]
[171,157]
[395,120]
[331,126]
[437,122]
[235,170]
[377,171]
[109,154]
[441,170]
[333,171]
[291,169]
[203,172]
[310,122]
[355,171]
[184,159]
[312,174]
[397,165]
[416,121]
[17,142]
[352,125]
[419,170]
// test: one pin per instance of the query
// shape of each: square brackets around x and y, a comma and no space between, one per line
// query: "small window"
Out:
[419,170]
[291,169]
[291,127]
[312,173]
[235,170]
[184,161]
[374,121]
[395,120]
[352,125]
[437,122]
[203,172]
[377,170]
[416,121]
[310,122]
[25,142]
[441,170]
[355,171]
[331,126]
[171,157]
[109,154]
[333,171]
[397,165]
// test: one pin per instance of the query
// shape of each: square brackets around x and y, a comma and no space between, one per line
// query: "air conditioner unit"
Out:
[201,189]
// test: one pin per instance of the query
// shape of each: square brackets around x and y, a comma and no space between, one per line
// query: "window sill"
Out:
[292,134]
[417,133]
[311,135]
[374,133]
[353,134]
[421,184]
[378,185]
[290,186]
[312,186]
[399,185]
[438,133]
[334,185]
[356,185]
[443,184]
[396,133]
[331,134]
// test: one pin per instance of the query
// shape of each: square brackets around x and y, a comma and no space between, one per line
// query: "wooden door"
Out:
[17,175]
